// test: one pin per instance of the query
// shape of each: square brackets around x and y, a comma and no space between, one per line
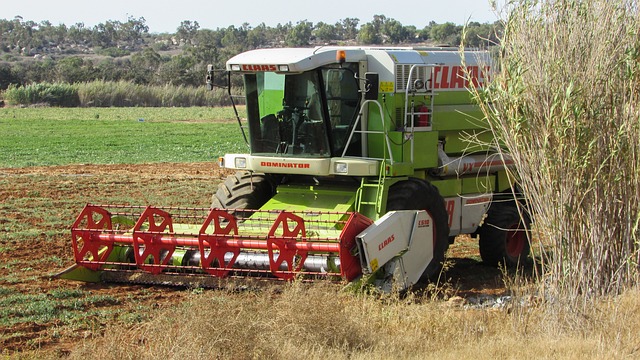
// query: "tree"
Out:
[347,28]
[49,35]
[205,48]
[279,34]
[257,37]
[74,69]
[79,34]
[109,69]
[447,33]
[368,34]
[325,32]
[394,31]
[140,62]
[133,30]
[481,35]
[144,66]
[187,31]
[378,22]
[180,70]
[34,71]
[234,37]
[22,35]
[7,76]
[425,33]
[299,34]
[106,34]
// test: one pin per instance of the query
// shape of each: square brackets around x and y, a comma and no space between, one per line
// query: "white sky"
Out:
[166,15]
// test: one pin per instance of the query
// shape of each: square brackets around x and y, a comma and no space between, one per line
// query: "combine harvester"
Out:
[363,161]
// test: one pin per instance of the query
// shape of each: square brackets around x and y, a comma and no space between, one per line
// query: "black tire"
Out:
[418,194]
[504,236]
[244,190]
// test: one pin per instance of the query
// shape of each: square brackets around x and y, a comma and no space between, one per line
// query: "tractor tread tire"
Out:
[494,236]
[244,190]
[418,194]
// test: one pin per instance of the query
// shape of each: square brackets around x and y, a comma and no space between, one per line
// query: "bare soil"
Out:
[64,188]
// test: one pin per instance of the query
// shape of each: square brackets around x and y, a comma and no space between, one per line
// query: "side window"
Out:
[342,96]
[343,99]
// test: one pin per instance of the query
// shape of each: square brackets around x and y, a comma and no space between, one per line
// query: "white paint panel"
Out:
[473,209]
[454,213]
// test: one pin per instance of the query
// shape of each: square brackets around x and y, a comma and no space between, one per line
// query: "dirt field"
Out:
[37,207]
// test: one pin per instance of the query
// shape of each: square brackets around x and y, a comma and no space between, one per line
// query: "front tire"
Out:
[244,190]
[418,194]
[504,236]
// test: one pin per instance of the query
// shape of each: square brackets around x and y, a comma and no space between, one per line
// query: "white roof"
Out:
[303,59]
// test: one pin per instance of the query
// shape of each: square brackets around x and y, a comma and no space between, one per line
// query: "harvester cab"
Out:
[360,161]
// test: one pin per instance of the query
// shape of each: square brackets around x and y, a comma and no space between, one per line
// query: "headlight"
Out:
[342,168]
[283,67]
[235,67]
[241,163]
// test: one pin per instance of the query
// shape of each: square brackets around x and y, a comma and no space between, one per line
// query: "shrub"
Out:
[113,52]
[114,94]
[54,94]
[125,93]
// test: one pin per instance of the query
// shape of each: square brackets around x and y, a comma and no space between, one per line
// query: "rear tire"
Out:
[504,236]
[417,194]
[244,190]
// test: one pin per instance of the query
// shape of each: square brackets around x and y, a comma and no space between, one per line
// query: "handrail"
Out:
[428,92]
[384,132]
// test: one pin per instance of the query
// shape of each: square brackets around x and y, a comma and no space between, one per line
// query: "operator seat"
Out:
[270,133]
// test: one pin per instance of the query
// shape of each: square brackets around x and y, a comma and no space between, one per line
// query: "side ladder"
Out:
[418,101]
[369,197]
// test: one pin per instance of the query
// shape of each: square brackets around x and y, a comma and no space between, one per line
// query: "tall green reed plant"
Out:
[565,104]
[54,94]
[125,93]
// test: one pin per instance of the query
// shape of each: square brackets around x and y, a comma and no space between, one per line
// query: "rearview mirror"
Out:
[371,85]
[209,77]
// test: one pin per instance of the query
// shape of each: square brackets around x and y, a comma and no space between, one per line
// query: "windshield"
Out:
[305,115]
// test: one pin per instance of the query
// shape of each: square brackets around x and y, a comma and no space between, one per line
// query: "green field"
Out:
[56,136]
[46,318]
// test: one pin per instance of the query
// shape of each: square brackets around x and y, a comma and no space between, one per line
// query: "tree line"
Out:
[33,52]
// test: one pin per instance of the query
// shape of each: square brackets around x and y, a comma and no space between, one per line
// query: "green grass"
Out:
[65,305]
[55,136]
[37,208]
[131,113]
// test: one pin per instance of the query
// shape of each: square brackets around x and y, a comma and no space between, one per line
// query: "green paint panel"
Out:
[374,123]
[425,149]
[503,182]
[80,273]
[478,184]
[463,117]
[400,169]
[453,98]
[449,187]
[466,142]
[312,198]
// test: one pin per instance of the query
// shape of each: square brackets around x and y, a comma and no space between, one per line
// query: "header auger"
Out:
[360,162]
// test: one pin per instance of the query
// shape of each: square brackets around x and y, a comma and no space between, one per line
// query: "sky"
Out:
[166,15]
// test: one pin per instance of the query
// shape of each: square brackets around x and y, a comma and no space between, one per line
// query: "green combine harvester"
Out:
[362,161]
